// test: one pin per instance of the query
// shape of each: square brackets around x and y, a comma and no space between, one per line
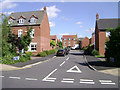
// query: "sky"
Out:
[67,18]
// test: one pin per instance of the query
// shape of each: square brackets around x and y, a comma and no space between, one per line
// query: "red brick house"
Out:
[69,40]
[54,38]
[100,32]
[84,42]
[40,34]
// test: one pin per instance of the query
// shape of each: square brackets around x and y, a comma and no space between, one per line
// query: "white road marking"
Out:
[31,79]
[2,76]
[50,79]
[62,63]
[68,80]
[87,82]
[15,77]
[106,82]
[75,71]
[67,59]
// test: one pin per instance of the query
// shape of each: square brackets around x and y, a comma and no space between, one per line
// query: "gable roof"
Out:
[103,24]
[38,14]
[69,36]
[53,37]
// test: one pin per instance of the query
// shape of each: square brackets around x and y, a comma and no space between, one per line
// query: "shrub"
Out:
[95,52]
[53,51]
[46,52]
[28,55]
[42,54]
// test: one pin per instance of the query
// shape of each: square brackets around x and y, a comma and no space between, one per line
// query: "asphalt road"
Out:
[70,71]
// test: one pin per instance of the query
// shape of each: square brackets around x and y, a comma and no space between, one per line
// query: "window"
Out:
[33,47]
[68,38]
[64,43]
[32,33]
[19,33]
[73,38]
[32,20]
[10,21]
[64,38]
[74,43]
[69,43]
[21,20]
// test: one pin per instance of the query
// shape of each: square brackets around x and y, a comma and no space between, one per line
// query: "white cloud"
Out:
[61,34]
[6,4]
[78,22]
[52,11]
[8,13]
[90,30]
[81,26]
[81,36]
[52,24]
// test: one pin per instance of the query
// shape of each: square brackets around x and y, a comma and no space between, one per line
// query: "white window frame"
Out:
[64,43]
[32,34]
[33,20]
[64,38]
[10,21]
[73,38]
[21,20]
[69,39]
[30,48]
[74,43]
[19,33]
[69,43]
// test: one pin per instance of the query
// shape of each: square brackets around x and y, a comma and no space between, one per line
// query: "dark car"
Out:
[66,51]
[61,52]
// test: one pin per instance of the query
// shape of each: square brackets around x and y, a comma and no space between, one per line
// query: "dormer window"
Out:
[11,20]
[21,19]
[33,19]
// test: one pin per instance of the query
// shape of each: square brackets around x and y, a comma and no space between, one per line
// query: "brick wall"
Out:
[85,42]
[41,34]
[45,34]
[102,40]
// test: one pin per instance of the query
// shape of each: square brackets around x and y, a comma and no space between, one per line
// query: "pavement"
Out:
[97,64]
[23,65]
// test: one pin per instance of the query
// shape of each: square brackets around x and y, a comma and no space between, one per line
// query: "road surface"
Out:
[70,71]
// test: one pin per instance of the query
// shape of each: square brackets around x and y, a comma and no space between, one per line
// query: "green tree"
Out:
[113,46]
[60,44]
[21,42]
[52,43]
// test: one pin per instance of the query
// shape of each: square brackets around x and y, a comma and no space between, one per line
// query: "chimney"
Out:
[97,16]
[44,8]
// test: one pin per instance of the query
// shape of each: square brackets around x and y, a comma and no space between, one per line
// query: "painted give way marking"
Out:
[47,78]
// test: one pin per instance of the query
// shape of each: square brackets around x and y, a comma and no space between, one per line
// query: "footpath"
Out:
[23,65]
[98,64]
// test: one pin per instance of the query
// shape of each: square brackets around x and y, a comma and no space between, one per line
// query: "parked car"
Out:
[66,51]
[76,46]
[61,52]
